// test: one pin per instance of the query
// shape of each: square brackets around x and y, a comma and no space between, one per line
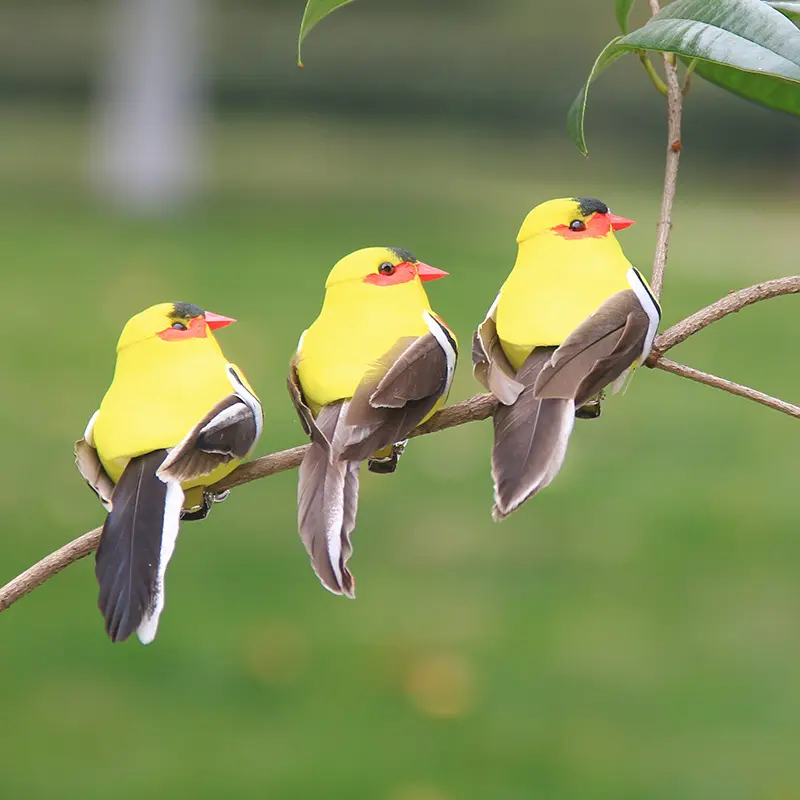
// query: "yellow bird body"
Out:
[375,364]
[358,324]
[572,318]
[176,418]
[155,399]
[555,285]
[541,305]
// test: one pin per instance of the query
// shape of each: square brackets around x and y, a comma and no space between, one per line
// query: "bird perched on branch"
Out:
[374,364]
[572,317]
[176,418]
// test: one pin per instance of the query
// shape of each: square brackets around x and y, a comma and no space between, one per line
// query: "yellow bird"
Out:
[375,364]
[572,317]
[176,418]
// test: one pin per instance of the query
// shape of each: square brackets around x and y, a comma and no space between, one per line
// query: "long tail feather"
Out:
[327,500]
[137,541]
[172,517]
[530,441]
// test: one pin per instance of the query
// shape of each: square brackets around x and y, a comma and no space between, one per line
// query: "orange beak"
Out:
[215,321]
[619,223]
[428,273]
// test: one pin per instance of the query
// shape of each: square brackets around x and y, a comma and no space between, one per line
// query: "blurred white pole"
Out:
[146,147]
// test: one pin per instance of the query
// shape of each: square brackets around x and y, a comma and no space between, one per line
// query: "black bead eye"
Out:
[387,268]
[577,225]
[179,326]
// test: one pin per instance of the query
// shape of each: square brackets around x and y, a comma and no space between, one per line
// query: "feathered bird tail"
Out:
[530,440]
[137,543]
[327,501]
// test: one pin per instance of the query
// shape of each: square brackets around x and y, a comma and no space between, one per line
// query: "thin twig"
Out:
[728,386]
[476,408]
[674,113]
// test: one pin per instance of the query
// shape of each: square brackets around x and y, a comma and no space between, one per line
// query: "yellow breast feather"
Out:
[153,403]
[352,333]
[553,287]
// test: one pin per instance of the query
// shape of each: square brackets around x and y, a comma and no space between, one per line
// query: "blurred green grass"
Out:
[631,633]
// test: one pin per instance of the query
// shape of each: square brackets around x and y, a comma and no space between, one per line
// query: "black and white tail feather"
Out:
[538,403]
[390,402]
[146,505]
[138,540]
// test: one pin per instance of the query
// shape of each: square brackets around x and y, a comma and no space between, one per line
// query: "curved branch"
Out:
[733,302]
[476,408]
[50,565]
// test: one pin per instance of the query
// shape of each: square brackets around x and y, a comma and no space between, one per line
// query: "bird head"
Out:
[171,322]
[572,218]
[383,267]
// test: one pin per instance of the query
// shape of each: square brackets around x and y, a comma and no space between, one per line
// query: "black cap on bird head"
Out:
[589,205]
[571,218]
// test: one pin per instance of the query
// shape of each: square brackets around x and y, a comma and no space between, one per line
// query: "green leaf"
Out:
[791,9]
[743,46]
[316,10]
[577,112]
[623,10]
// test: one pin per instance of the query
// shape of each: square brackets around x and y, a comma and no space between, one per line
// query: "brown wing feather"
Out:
[530,440]
[395,397]
[416,373]
[88,463]
[227,432]
[597,352]
[490,365]
[626,352]
[299,400]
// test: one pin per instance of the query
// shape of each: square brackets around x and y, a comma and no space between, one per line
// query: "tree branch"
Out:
[50,565]
[476,408]
[733,302]
[674,114]
[728,386]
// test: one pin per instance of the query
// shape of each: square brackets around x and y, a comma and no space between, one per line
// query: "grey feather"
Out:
[530,439]
[91,468]
[327,500]
[597,352]
[392,399]
[395,396]
[227,432]
[299,402]
[490,365]
[414,374]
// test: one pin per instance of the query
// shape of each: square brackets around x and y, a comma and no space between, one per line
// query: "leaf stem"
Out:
[651,71]
[687,78]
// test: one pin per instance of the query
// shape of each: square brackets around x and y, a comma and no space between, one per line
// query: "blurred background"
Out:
[634,632]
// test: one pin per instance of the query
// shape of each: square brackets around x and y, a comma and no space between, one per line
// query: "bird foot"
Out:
[202,511]
[388,464]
